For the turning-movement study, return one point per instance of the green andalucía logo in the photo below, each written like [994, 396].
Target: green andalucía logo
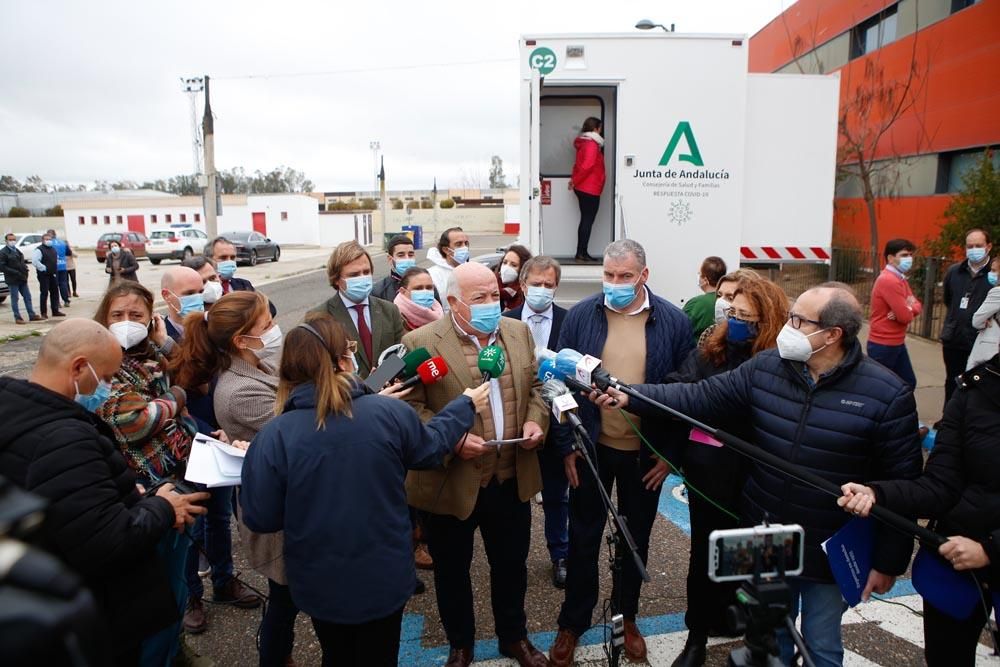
[693, 156]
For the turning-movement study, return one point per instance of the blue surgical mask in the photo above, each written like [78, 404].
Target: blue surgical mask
[461, 255]
[992, 278]
[975, 255]
[485, 317]
[48, 244]
[740, 331]
[619, 296]
[11, 244]
[358, 288]
[404, 265]
[93, 401]
[190, 303]
[115, 250]
[227, 269]
[539, 298]
[905, 264]
[423, 297]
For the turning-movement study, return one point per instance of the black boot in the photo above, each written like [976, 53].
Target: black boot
[693, 654]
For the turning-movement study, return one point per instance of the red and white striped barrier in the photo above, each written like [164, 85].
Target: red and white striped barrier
[784, 254]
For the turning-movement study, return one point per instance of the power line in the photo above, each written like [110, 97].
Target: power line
[365, 70]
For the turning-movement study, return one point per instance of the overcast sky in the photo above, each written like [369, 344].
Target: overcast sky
[91, 90]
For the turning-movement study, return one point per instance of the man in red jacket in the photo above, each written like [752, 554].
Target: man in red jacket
[893, 308]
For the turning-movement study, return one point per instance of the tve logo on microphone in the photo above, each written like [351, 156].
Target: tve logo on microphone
[432, 369]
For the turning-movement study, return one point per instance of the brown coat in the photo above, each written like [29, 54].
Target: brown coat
[244, 403]
[454, 489]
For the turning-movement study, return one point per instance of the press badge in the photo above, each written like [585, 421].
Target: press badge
[964, 303]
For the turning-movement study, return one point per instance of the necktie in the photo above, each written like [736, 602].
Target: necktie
[364, 332]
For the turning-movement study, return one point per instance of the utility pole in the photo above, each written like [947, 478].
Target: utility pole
[211, 190]
[375, 147]
[192, 87]
[383, 196]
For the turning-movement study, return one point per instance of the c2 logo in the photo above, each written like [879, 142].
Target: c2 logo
[543, 59]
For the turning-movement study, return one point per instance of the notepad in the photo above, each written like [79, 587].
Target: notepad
[214, 463]
[849, 553]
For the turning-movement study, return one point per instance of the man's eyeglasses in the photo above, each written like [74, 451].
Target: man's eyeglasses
[797, 321]
[741, 315]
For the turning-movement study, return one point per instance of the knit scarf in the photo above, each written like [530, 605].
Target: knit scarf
[415, 315]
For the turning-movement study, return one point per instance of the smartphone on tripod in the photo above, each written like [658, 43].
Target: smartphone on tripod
[734, 552]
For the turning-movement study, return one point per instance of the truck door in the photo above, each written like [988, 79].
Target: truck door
[535, 184]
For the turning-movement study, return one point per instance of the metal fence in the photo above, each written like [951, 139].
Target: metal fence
[853, 266]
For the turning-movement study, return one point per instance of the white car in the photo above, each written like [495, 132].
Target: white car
[27, 243]
[175, 243]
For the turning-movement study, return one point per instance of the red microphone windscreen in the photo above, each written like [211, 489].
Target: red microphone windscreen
[432, 370]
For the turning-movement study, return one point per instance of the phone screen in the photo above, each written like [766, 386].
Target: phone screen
[734, 554]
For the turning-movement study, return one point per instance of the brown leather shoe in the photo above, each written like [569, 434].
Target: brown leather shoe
[459, 657]
[563, 649]
[525, 653]
[635, 645]
[195, 620]
[236, 594]
[422, 558]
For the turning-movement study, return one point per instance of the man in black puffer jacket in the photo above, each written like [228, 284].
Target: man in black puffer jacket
[819, 403]
[97, 521]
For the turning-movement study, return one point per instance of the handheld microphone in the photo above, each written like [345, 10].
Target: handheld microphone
[431, 371]
[586, 369]
[413, 359]
[547, 371]
[557, 395]
[492, 361]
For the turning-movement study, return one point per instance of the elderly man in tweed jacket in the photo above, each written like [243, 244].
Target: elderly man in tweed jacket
[483, 486]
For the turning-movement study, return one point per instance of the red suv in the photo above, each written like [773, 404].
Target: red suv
[133, 241]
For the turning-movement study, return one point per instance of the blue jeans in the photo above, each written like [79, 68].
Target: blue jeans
[160, 649]
[213, 533]
[16, 292]
[896, 359]
[555, 503]
[822, 607]
[62, 278]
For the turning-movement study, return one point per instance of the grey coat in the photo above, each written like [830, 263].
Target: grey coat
[244, 403]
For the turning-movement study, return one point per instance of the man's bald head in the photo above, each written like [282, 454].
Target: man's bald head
[834, 306]
[70, 350]
[179, 278]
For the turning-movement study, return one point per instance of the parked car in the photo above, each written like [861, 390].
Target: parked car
[27, 243]
[252, 246]
[178, 242]
[4, 290]
[132, 241]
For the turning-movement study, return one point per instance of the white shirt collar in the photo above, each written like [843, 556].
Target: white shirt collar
[645, 304]
[350, 304]
[527, 313]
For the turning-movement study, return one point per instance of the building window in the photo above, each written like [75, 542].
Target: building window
[197, 217]
[118, 220]
[284, 215]
[873, 34]
[184, 217]
[952, 167]
[81, 220]
[167, 217]
[93, 219]
[959, 5]
[107, 219]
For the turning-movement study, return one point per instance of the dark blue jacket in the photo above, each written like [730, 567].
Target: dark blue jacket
[200, 406]
[668, 342]
[959, 284]
[858, 423]
[338, 494]
[244, 285]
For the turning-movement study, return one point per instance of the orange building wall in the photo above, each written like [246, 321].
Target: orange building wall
[958, 95]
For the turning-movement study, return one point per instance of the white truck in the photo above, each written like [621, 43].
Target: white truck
[702, 158]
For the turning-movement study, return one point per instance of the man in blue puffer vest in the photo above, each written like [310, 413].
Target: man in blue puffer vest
[819, 403]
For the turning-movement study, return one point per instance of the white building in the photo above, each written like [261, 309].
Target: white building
[284, 218]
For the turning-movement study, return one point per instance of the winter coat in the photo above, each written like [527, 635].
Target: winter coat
[588, 169]
[12, 266]
[96, 521]
[338, 494]
[857, 423]
[986, 320]
[959, 285]
[960, 487]
[123, 267]
[440, 273]
[668, 342]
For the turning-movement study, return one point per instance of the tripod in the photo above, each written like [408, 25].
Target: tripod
[620, 537]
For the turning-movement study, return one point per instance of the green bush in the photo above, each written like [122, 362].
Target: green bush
[447, 203]
[369, 204]
[18, 212]
[976, 205]
[426, 204]
[410, 205]
[397, 204]
[54, 212]
[342, 206]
